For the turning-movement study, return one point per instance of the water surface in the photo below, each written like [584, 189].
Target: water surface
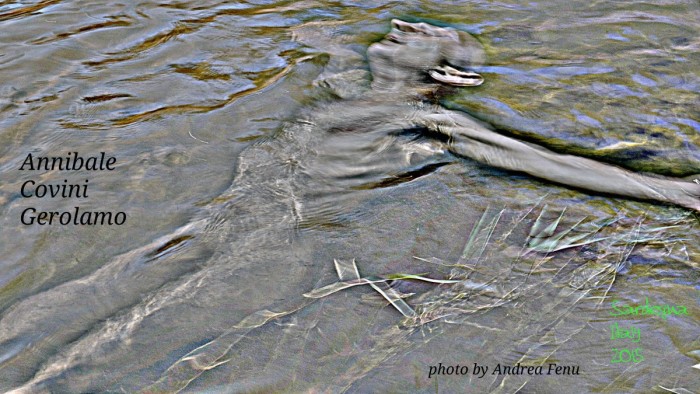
[240, 194]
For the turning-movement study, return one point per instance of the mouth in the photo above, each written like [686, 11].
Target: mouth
[392, 38]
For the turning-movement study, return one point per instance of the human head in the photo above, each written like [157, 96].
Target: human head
[417, 55]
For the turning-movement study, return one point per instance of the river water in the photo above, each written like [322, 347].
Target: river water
[242, 185]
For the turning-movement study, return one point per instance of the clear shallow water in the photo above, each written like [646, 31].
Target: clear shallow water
[236, 206]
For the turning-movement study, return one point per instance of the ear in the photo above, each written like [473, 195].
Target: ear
[452, 76]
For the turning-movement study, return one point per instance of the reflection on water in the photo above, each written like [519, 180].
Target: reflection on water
[244, 175]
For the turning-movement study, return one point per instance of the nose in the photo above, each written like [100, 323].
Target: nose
[407, 27]
[397, 24]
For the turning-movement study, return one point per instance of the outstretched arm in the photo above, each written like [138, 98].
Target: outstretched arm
[471, 139]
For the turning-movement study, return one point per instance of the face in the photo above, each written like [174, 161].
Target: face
[416, 53]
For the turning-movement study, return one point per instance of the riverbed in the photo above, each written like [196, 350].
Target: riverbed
[265, 251]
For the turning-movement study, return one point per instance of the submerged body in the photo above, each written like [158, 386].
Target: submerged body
[192, 298]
